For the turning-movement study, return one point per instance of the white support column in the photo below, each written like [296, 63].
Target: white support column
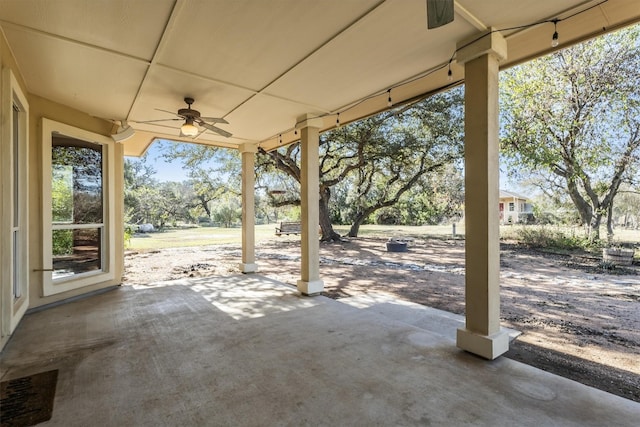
[310, 283]
[248, 264]
[482, 334]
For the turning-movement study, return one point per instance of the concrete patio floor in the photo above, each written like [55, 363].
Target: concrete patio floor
[249, 351]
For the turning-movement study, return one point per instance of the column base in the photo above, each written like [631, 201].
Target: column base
[311, 288]
[248, 268]
[487, 346]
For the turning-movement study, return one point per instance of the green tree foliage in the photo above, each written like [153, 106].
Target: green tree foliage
[139, 191]
[372, 163]
[438, 198]
[627, 207]
[149, 201]
[227, 211]
[214, 173]
[62, 194]
[571, 122]
[165, 203]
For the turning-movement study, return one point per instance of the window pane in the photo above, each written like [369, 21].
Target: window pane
[16, 165]
[17, 292]
[76, 251]
[76, 182]
[62, 194]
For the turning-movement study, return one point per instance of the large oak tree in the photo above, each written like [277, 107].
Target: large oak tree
[380, 158]
[572, 121]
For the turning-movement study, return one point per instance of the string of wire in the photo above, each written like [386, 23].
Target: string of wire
[441, 66]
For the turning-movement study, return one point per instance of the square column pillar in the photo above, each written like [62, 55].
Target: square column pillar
[310, 283]
[248, 152]
[482, 334]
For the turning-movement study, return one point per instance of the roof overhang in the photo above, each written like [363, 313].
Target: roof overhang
[261, 64]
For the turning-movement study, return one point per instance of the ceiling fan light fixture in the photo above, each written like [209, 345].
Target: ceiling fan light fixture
[188, 129]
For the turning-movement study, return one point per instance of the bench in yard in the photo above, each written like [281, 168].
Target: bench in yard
[289, 228]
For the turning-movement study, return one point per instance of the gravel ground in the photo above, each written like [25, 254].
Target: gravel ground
[578, 320]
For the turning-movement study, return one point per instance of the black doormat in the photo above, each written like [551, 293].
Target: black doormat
[27, 401]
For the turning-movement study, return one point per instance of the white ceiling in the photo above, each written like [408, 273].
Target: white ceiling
[261, 64]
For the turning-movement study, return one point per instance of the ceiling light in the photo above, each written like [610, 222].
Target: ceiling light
[188, 129]
[554, 39]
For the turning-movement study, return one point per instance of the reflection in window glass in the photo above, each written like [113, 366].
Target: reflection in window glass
[76, 184]
[16, 165]
[62, 192]
[76, 251]
[77, 206]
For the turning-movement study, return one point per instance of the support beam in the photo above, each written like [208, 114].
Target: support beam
[248, 264]
[310, 283]
[482, 334]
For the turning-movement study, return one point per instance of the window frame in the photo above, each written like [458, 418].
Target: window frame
[14, 218]
[53, 286]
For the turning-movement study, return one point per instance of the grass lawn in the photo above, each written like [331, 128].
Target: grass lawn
[197, 236]
[200, 236]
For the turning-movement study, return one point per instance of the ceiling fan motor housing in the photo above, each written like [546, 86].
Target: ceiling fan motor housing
[188, 112]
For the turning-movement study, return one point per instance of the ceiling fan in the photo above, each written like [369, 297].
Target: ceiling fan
[192, 117]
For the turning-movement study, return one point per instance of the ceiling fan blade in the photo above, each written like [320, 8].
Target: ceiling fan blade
[214, 120]
[214, 129]
[173, 113]
[158, 120]
[439, 13]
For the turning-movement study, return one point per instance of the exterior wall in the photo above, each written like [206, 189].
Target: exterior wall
[10, 310]
[513, 217]
[39, 108]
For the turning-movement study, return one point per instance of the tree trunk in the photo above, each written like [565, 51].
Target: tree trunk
[328, 234]
[585, 210]
[355, 227]
[594, 225]
[610, 223]
[362, 216]
[205, 205]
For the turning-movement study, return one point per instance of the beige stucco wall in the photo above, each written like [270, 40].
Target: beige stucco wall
[39, 108]
[8, 308]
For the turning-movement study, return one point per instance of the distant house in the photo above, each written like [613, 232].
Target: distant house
[514, 208]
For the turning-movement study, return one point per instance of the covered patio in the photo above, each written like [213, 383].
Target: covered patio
[85, 83]
[246, 350]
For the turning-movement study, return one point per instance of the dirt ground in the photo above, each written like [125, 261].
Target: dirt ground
[577, 319]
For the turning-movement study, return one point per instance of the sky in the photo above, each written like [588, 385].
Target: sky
[165, 172]
[173, 172]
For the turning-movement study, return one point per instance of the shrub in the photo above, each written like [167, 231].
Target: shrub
[129, 230]
[545, 237]
[62, 241]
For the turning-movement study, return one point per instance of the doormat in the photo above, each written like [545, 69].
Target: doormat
[27, 401]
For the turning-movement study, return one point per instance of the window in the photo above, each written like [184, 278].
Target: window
[76, 206]
[512, 207]
[14, 231]
[15, 223]
[78, 247]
